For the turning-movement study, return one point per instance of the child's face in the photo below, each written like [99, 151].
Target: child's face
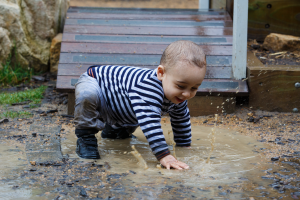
[180, 82]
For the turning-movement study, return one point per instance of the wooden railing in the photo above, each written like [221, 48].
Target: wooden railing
[240, 31]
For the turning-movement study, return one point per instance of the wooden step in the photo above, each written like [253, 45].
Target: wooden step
[130, 59]
[156, 23]
[212, 87]
[100, 47]
[161, 31]
[146, 11]
[96, 38]
[183, 17]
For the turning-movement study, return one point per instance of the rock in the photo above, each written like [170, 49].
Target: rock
[5, 44]
[32, 163]
[38, 78]
[3, 120]
[83, 192]
[278, 42]
[55, 53]
[30, 25]
[275, 159]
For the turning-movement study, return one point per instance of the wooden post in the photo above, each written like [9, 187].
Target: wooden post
[203, 4]
[239, 44]
[71, 103]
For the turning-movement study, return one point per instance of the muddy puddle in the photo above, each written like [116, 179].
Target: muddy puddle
[234, 169]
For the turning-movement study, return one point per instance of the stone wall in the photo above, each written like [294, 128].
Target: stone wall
[30, 25]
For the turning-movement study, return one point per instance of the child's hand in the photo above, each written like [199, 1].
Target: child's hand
[169, 161]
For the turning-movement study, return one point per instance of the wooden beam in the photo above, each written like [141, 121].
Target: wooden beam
[272, 87]
[71, 103]
[209, 105]
[239, 46]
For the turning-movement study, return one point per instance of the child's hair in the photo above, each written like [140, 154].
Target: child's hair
[183, 51]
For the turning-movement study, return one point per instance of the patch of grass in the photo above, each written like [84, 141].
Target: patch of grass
[33, 95]
[12, 72]
[15, 114]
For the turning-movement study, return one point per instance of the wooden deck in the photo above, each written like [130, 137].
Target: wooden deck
[138, 37]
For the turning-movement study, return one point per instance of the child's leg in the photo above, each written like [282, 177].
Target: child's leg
[87, 117]
[87, 104]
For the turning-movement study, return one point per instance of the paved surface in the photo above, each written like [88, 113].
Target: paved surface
[43, 144]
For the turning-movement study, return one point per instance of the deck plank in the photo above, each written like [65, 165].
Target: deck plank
[213, 87]
[142, 23]
[67, 37]
[149, 48]
[164, 31]
[149, 17]
[131, 59]
[145, 11]
[216, 72]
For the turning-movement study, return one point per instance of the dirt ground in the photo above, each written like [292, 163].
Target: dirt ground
[273, 58]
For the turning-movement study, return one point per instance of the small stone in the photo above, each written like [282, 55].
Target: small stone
[222, 193]
[83, 192]
[65, 101]
[275, 158]
[251, 119]
[33, 163]
[255, 46]
[4, 121]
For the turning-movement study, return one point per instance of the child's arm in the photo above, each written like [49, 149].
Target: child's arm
[148, 116]
[181, 125]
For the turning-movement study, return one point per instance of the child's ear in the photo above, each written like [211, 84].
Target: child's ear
[160, 72]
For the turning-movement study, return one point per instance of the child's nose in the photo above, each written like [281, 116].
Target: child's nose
[186, 94]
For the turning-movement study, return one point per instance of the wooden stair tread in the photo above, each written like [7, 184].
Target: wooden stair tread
[203, 17]
[148, 30]
[97, 38]
[134, 48]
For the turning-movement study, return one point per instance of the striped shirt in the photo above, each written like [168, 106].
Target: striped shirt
[134, 96]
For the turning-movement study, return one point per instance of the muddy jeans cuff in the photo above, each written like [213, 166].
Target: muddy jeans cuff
[162, 154]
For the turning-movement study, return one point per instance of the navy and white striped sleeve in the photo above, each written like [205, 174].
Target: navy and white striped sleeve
[181, 124]
[149, 121]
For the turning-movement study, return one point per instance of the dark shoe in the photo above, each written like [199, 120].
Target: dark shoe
[87, 146]
[120, 133]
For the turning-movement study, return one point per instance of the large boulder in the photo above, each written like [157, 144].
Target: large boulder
[278, 42]
[55, 53]
[29, 26]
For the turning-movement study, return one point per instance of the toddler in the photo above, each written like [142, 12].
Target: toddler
[118, 99]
